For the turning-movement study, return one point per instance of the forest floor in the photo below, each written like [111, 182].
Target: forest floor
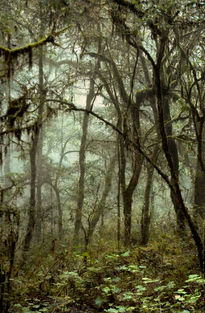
[161, 277]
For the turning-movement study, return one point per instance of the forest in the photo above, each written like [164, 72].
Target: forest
[102, 156]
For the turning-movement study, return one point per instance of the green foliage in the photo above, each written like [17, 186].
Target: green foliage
[122, 281]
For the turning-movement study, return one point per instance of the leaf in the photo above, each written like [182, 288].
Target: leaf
[140, 288]
[116, 279]
[86, 254]
[149, 280]
[142, 267]
[181, 291]
[126, 254]
[26, 310]
[112, 310]
[106, 290]
[99, 301]
[179, 298]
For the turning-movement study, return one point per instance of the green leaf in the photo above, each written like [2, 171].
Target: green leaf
[86, 254]
[106, 290]
[26, 310]
[126, 254]
[116, 279]
[140, 288]
[111, 310]
[149, 280]
[142, 267]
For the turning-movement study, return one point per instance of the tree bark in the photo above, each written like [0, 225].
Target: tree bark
[31, 212]
[146, 218]
[173, 151]
[127, 192]
[40, 136]
[60, 212]
[38, 187]
[101, 205]
[81, 182]
[33, 165]
[199, 194]
[174, 183]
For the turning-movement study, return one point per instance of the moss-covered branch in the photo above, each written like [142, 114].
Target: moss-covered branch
[27, 48]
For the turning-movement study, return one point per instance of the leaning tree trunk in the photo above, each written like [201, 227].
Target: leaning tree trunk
[174, 182]
[173, 151]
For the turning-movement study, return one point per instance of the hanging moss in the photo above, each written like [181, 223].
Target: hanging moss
[11, 55]
[16, 109]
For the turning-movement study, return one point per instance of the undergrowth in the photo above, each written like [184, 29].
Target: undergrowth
[162, 277]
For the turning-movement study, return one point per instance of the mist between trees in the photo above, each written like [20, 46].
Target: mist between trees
[102, 129]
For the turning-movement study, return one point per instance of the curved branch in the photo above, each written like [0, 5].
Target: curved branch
[27, 48]
[137, 146]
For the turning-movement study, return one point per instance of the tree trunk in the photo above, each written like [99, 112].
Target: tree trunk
[101, 205]
[127, 193]
[40, 141]
[33, 159]
[173, 151]
[174, 183]
[81, 182]
[146, 218]
[137, 160]
[127, 201]
[31, 212]
[118, 203]
[199, 194]
[38, 187]
[60, 213]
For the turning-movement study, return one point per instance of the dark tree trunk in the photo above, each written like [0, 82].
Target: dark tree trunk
[118, 203]
[40, 136]
[38, 227]
[199, 194]
[33, 160]
[60, 213]
[173, 151]
[137, 160]
[81, 182]
[174, 183]
[127, 201]
[127, 191]
[101, 205]
[146, 217]
[31, 212]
